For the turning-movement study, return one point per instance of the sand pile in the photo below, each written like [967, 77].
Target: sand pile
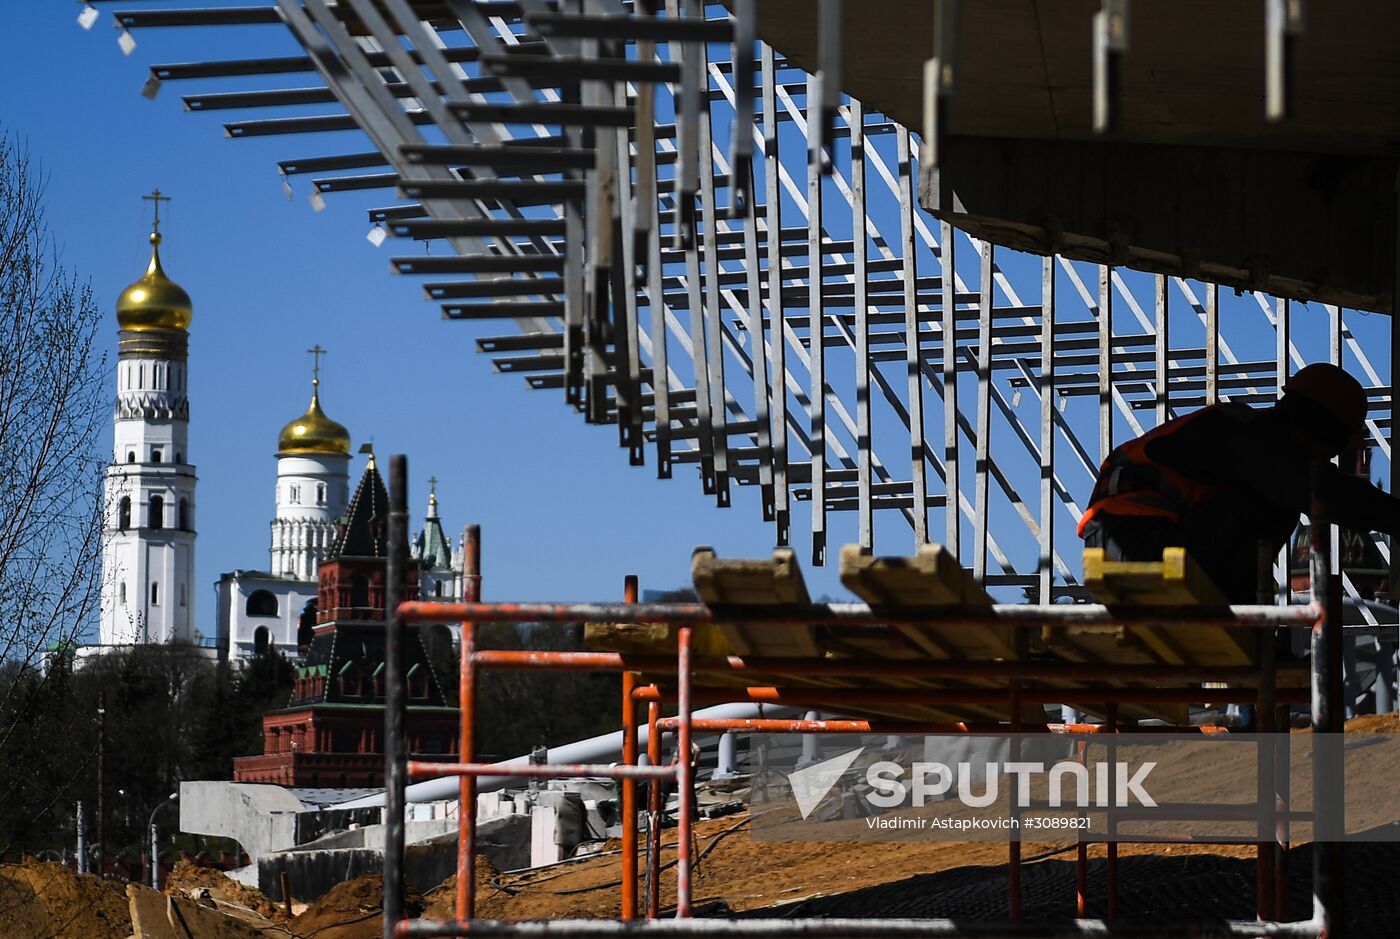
[351, 910]
[491, 897]
[188, 879]
[1388, 723]
[44, 900]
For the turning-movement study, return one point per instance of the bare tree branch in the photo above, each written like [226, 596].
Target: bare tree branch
[53, 408]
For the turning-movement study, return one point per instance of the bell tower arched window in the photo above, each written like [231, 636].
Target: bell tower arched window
[261, 603]
[124, 513]
[157, 513]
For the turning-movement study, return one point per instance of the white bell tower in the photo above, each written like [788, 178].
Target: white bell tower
[313, 467]
[149, 509]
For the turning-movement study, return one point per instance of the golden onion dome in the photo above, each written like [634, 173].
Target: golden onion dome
[314, 432]
[155, 301]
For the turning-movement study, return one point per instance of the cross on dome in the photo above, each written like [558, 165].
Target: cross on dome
[157, 197]
[316, 352]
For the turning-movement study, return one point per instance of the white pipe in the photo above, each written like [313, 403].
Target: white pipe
[604, 748]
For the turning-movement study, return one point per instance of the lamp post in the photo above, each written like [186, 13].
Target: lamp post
[101, 779]
[155, 847]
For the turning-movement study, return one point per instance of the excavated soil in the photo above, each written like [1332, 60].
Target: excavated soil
[40, 900]
[1200, 888]
[1375, 724]
[747, 874]
[44, 900]
[351, 910]
[189, 879]
[751, 875]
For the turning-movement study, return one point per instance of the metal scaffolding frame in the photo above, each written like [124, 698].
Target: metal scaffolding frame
[656, 679]
[644, 192]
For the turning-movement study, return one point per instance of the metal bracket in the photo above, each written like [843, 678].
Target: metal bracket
[1283, 24]
[1110, 43]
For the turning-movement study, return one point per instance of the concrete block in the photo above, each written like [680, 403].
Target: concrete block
[260, 818]
[156, 916]
[543, 850]
[430, 858]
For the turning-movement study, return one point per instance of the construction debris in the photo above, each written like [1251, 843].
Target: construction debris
[190, 880]
[158, 916]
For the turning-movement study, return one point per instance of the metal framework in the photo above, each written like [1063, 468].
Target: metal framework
[654, 679]
[663, 213]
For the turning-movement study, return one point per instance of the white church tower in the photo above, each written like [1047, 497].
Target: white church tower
[148, 545]
[313, 473]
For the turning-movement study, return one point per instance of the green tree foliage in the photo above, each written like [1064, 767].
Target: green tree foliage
[170, 714]
[44, 757]
[521, 710]
[231, 722]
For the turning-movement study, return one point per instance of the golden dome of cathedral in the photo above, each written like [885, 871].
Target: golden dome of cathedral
[314, 432]
[155, 301]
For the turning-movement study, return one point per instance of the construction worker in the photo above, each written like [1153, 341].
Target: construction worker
[1223, 479]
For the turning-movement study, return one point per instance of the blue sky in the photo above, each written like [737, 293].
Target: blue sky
[563, 515]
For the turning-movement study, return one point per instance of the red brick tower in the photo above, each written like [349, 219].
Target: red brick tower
[331, 732]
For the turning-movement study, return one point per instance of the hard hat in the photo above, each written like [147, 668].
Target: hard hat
[1334, 390]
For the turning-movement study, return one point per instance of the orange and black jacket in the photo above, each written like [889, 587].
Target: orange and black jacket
[1233, 465]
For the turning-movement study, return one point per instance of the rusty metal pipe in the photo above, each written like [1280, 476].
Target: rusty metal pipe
[1023, 615]
[1327, 718]
[421, 769]
[654, 807]
[529, 660]
[768, 694]
[629, 786]
[799, 726]
[892, 726]
[685, 774]
[466, 804]
[842, 929]
[465, 899]
[395, 695]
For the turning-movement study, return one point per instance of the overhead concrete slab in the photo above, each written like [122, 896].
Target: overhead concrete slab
[1195, 181]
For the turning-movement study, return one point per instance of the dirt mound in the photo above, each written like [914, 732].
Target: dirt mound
[746, 873]
[352, 910]
[1200, 887]
[188, 878]
[442, 899]
[1388, 723]
[43, 900]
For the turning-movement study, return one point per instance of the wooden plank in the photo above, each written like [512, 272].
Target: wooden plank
[776, 582]
[653, 639]
[931, 578]
[1176, 580]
